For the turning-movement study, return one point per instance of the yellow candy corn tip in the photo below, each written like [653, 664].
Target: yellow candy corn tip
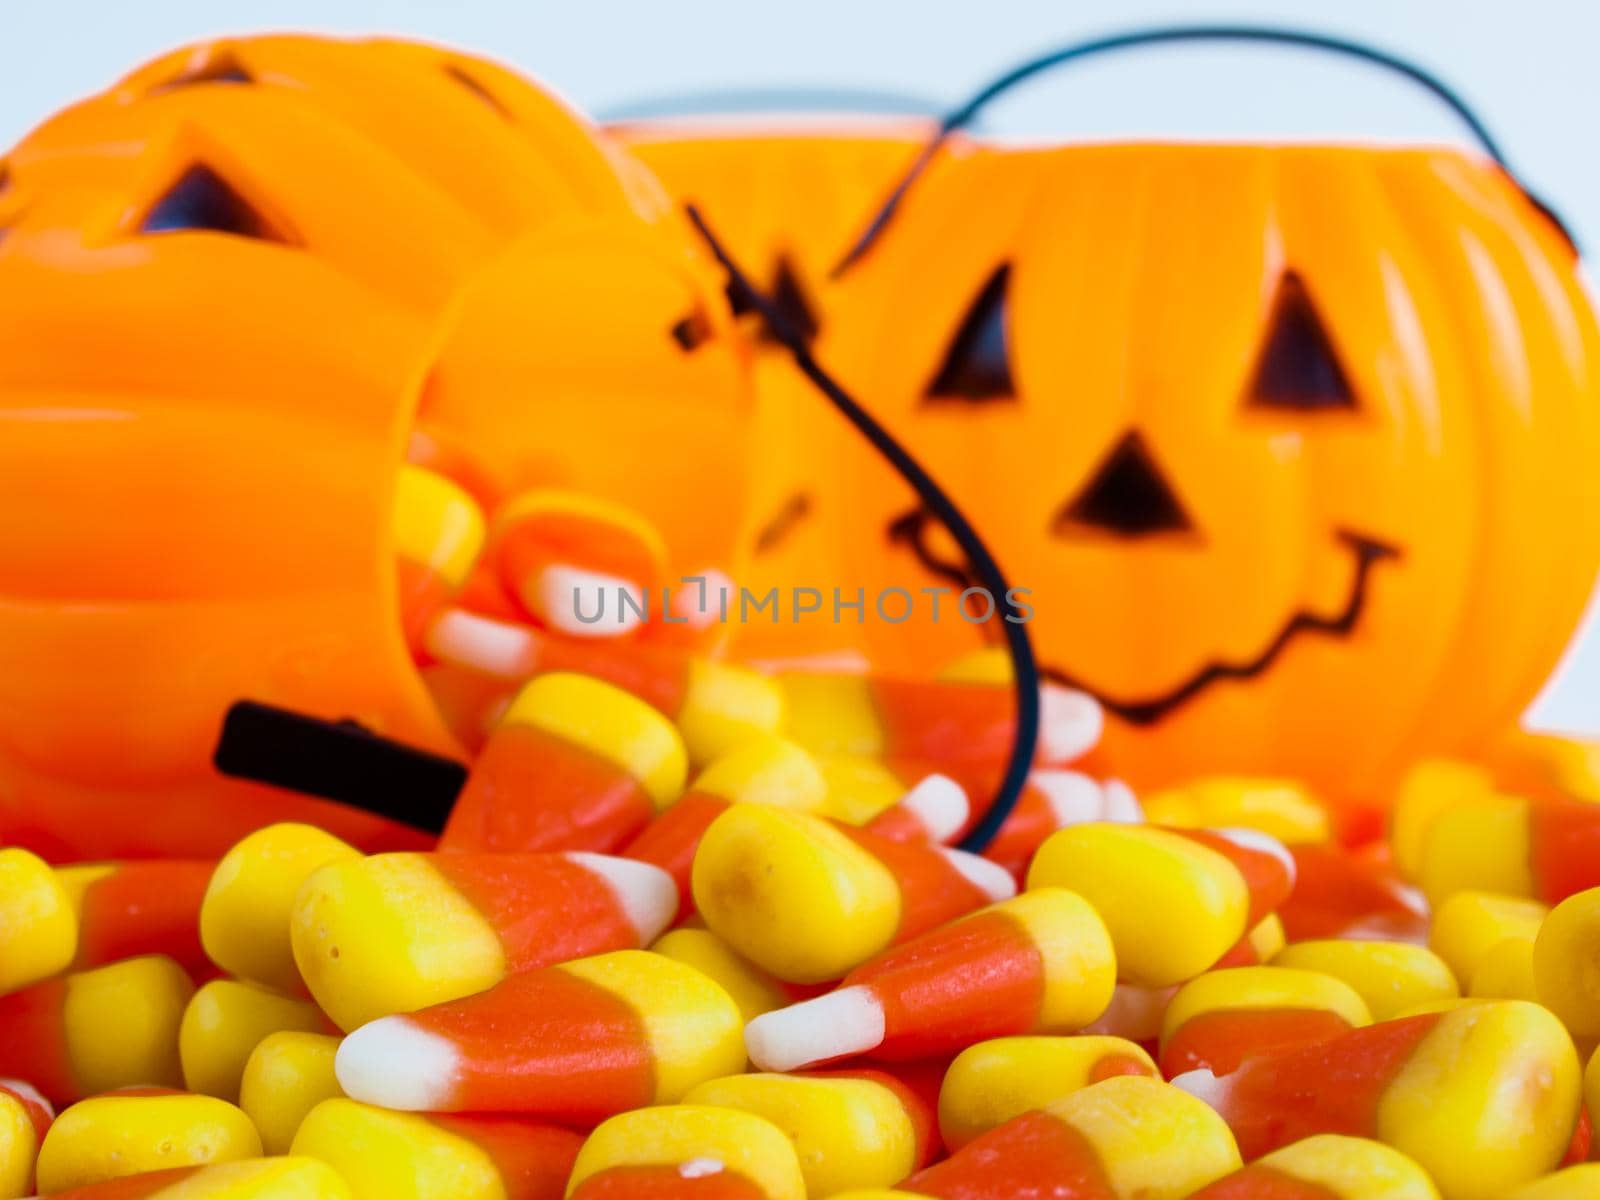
[1471, 923]
[384, 1153]
[1564, 953]
[752, 989]
[111, 1136]
[1353, 1167]
[121, 1023]
[1172, 905]
[607, 721]
[846, 1132]
[765, 769]
[1151, 1138]
[792, 893]
[1390, 976]
[244, 917]
[725, 705]
[38, 921]
[224, 1021]
[387, 934]
[437, 524]
[706, 1139]
[287, 1075]
[991, 1082]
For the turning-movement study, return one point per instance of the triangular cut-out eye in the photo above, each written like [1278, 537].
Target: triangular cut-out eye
[788, 296]
[1299, 367]
[222, 67]
[5, 176]
[201, 199]
[977, 367]
[477, 89]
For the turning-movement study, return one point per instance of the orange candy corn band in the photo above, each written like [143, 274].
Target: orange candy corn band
[1012, 1159]
[145, 908]
[1220, 1041]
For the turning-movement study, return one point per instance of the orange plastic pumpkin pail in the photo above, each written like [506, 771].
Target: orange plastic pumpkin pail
[229, 287]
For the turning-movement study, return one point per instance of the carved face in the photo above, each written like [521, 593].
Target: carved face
[1288, 444]
[228, 289]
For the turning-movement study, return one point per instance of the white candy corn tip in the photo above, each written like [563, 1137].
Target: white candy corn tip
[393, 1064]
[699, 1168]
[496, 648]
[990, 878]
[941, 804]
[1202, 1084]
[29, 1093]
[562, 592]
[1122, 806]
[1069, 723]
[836, 1025]
[1261, 843]
[645, 893]
[1073, 797]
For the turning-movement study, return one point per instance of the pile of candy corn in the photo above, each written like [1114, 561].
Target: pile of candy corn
[699, 931]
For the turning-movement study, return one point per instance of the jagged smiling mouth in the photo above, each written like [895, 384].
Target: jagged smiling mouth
[910, 529]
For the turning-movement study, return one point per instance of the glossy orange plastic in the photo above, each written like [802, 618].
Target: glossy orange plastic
[200, 426]
[1321, 584]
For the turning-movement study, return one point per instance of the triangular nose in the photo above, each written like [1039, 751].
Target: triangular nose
[1126, 497]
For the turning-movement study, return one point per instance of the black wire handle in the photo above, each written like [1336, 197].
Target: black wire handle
[1024, 668]
[960, 117]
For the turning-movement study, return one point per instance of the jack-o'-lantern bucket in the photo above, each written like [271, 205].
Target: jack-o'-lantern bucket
[1291, 446]
[230, 289]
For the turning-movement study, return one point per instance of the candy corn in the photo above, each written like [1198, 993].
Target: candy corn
[1391, 977]
[1504, 1070]
[1545, 849]
[97, 1030]
[687, 1150]
[1564, 954]
[931, 721]
[38, 929]
[1470, 924]
[287, 1075]
[397, 932]
[403, 1156]
[1122, 1139]
[25, 1115]
[807, 899]
[438, 535]
[1052, 800]
[141, 1130]
[850, 1129]
[751, 988]
[1340, 894]
[1174, 900]
[765, 770]
[715, 705]
[575, 1043]
[1326, 1167]
[1041, 962]
[994, 1081]
[223, 1023]
[1574, 1183]
[244, 918]
[126, 909]
[1218, 1018]
[575, 764]
[1280, 807]
[935, 809]
[251, 1179]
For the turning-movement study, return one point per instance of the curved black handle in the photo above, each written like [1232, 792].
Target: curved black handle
[959, 118]
[1024, 667]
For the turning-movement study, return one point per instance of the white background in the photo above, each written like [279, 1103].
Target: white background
[1529, 67]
